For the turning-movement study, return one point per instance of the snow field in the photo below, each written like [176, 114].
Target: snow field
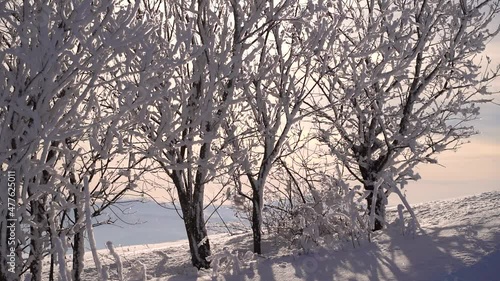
[459, 240]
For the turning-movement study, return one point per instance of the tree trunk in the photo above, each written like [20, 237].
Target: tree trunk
[379, 209]
[256, 223]
[78, 252]
[199, 245]
[194, 222]
[39, 212]
[36, 250]
[78, 237]
[52, 265]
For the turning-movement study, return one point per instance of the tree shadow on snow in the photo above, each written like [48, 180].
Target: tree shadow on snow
[436, 254]
[426, 256]
[485, 269]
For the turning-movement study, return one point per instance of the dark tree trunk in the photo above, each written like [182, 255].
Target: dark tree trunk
[78, 248]
[52, 266]
[369, 172]
[192, 211]
[78, 237]
[39, 212]
[256, 223]
[379, 209]
[199, 246]
[36, 249]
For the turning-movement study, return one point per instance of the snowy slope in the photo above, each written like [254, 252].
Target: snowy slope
[460, 240]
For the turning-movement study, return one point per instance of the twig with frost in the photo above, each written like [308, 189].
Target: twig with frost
[59, 246]
[118, 260]
[90, 231]
[63, 275]
[104, 273]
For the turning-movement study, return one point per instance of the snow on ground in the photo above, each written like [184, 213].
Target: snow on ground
[459, 241]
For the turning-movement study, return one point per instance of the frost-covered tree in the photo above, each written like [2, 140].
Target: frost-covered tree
[203, 47]
[99, 157]
[403, 80]
[284, 74]
[57, 58]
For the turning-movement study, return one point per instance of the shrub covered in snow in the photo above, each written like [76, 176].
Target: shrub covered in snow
[333, 212]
